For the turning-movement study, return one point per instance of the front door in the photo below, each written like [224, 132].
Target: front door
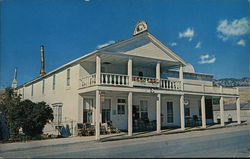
[106, 109]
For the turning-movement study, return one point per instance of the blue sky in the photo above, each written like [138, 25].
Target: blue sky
[212, 35]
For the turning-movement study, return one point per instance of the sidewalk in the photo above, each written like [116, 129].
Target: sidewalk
[49, 142]
[104, 138]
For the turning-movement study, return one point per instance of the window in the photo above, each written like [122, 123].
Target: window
[68, 77]
[32, 90]
[121, 106]
[57, 112]
[144, 109]
[43, 85]
[54, 82]
[170, 112]
[187, 111]
[87, 110]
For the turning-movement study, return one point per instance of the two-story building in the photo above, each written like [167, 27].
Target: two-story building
[129, 81]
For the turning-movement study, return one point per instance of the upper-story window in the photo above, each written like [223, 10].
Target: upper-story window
[54, 82]
[68, 77]
[43, 86]
[32, 90]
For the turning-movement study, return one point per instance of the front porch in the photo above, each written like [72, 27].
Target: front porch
[135, 112]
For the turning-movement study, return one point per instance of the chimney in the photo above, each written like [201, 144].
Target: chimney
[42, 72]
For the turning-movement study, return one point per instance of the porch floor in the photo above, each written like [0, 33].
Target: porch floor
[124, 136]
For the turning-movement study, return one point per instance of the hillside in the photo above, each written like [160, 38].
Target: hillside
[232, 82]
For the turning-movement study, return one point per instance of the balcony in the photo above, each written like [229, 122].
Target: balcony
[123, 80]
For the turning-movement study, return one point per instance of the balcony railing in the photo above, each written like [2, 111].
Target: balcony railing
[114, 79]
[170, 84]
[138, 81]
[88, 81]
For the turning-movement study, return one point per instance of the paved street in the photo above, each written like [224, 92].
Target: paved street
[225, 142]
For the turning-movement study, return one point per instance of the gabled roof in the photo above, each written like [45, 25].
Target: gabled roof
[143, 44]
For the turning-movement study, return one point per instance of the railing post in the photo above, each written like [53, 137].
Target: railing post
[181, 77]
[158, 72]
[98, 69]
[130, 72]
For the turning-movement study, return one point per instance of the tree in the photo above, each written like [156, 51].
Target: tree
[30, 116]
[35, 116]
[9, 108]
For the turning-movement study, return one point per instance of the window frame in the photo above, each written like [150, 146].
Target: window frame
[140, 108]
[43, 86]
[32, 90]
[57, 113]
[54, 82]
[121, 104]
[68, 77]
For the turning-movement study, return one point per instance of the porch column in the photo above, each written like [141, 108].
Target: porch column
[158, 113]
[222, 111]
[238, 109]
[130, 74]
[203, 112]
[182, 112]
[97, 115]
[130, 121]
[158, 71]
[181, 76]
[98, 69]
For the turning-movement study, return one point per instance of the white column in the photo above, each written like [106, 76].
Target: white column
[158, 71]
[97, 115]
[238, 109]
[130, 121]
[130, 74]
[203, 112]
[182, 112]
[158, 113]
[222, 119]
[98, 69]
[181, 76]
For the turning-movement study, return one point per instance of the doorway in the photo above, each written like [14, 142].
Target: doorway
[106, 109]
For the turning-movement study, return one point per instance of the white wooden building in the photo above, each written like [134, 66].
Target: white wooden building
[135, 79]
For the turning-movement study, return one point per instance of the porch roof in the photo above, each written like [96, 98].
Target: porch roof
[114, 58]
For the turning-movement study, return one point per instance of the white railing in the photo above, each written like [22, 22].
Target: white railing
[170, 84]
[123, 80]
[114, 79]
[87, 81]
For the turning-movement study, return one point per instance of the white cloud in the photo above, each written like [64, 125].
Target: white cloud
[237, 27]
[207, 59]
[189, 33]
[198, 45]
[241, 42]
[105, 44]
[173, 44]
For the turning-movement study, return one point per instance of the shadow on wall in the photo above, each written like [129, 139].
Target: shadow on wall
[65, 131]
